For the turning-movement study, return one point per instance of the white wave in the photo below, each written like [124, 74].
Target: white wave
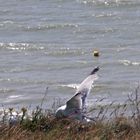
[125, 62]
[75, 86]
[22, 47]
[14, 96]
[108, 2]
[6, 90]
[49, 27]
[136, 63]
[128, 62]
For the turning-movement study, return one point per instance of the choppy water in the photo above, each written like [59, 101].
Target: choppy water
[49, 43]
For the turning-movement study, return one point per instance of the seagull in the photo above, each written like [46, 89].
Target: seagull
[74, 108]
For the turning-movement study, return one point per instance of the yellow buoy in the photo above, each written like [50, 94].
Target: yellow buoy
[96, 53]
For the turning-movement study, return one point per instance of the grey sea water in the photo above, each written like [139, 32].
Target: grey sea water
[50, 43]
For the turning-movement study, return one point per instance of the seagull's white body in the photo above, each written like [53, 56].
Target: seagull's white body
[75, 106]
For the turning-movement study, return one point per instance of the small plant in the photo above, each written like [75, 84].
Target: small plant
[134, 101]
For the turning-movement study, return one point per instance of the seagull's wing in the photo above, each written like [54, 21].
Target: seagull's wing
[78, 100]
[75, 102]
[86, 85]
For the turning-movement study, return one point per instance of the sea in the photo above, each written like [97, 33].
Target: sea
[47, 49]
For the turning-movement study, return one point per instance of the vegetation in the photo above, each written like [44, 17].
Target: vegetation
[118, 125]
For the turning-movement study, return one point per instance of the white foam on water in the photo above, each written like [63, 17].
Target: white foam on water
[74, 86]
[128, 62]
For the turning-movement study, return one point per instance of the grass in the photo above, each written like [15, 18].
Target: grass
[44, 125]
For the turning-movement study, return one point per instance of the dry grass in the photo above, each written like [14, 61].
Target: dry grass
[44, 126]
[65, 129]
